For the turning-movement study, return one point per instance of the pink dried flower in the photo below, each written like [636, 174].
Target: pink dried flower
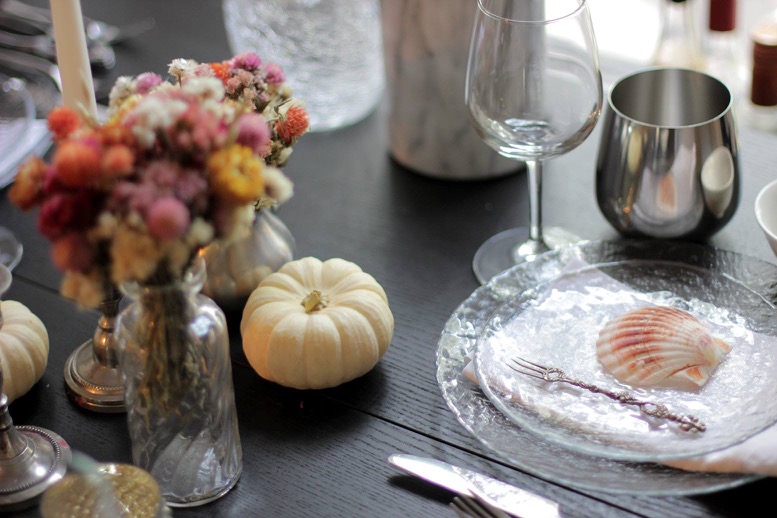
[130, 196]
[146, 81]
[274, 74]
[167, 218]
[232, 85]
[199, 131]
[246, 61]
[245, 77]
[253, 132]
[204, 70]
[162, 174]
[191, 187]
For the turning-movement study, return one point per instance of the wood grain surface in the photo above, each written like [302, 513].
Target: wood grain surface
[323, 453]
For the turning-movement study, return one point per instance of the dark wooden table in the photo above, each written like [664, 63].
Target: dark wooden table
[323, 453]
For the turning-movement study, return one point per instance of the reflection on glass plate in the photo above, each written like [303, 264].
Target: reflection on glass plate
[557, 324]
[546, 459]
[41, 78]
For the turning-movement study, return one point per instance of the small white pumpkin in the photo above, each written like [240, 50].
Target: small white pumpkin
[316, 324]
[24, 348]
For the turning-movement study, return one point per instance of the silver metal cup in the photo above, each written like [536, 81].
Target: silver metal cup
[668, 163]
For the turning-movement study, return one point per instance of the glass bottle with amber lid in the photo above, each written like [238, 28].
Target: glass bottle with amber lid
[762, 106]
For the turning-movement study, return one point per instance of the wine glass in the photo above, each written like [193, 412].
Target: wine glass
[534, 91]
[17, 111]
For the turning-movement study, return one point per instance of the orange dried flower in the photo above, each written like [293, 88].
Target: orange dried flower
[118, 160]
[72, 252]
[63, 121]
[293, 125]
[27, 188]
[113, 133]
[76, 164]
[221, 70]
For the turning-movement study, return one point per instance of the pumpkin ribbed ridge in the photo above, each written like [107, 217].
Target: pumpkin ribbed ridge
[330, 345]
[24, 349]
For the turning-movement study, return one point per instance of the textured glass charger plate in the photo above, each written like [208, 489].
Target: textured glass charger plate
[557, 324]
[550, 460]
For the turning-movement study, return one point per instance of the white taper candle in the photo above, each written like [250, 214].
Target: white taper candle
[72, 55]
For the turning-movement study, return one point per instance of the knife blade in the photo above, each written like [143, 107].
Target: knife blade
[512, 500]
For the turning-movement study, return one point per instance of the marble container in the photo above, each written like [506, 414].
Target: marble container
[426, 43]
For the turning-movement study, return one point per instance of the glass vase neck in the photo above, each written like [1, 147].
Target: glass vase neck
[191, 282]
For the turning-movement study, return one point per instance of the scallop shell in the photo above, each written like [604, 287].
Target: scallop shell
[659, 346]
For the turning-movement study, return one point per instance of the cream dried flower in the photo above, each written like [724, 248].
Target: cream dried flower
[181, 67]
[277, 185]
[121, 91]
[238, 223]
[204, 87]
[106, 226]
[134, 254]
[86, 290]
[200, 232]
[152, 114]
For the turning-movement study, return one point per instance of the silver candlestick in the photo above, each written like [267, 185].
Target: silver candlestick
[92, 376]
[32, 459]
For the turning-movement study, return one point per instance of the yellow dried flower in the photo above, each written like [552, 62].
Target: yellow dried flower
[120, 111]
[236, 174]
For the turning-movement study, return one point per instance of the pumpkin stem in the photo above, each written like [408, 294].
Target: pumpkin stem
[315, 301]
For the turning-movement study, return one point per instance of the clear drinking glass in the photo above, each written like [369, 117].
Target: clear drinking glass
[534, 91]
[17, 111]
[331, 51]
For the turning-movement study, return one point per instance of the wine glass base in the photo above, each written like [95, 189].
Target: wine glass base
[10, 249]
[512, 247]
[91, 385]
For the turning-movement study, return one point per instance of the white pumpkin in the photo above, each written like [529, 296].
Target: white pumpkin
[24, 348]
[316, 324]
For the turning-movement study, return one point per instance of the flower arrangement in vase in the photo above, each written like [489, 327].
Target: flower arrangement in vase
[235, 267]
[130, 203]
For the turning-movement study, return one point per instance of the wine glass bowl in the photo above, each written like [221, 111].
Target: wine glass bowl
[17, 111]
[533, 91]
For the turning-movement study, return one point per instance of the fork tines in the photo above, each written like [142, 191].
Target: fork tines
[535, 370]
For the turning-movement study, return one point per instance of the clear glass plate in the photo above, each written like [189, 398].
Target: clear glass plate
[530, 453]
[557, 324]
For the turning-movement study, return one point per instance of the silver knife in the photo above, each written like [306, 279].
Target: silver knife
[501, 495]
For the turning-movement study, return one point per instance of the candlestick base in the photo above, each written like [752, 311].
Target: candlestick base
[93, 385]
[41, 463]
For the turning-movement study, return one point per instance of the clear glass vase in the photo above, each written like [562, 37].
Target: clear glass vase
[179, 394]
[235, 269]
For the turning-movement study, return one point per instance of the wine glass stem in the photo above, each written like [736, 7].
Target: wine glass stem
[534, 168]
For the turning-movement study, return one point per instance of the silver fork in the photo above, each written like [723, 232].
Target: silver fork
[688, 423]
[473, 507]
